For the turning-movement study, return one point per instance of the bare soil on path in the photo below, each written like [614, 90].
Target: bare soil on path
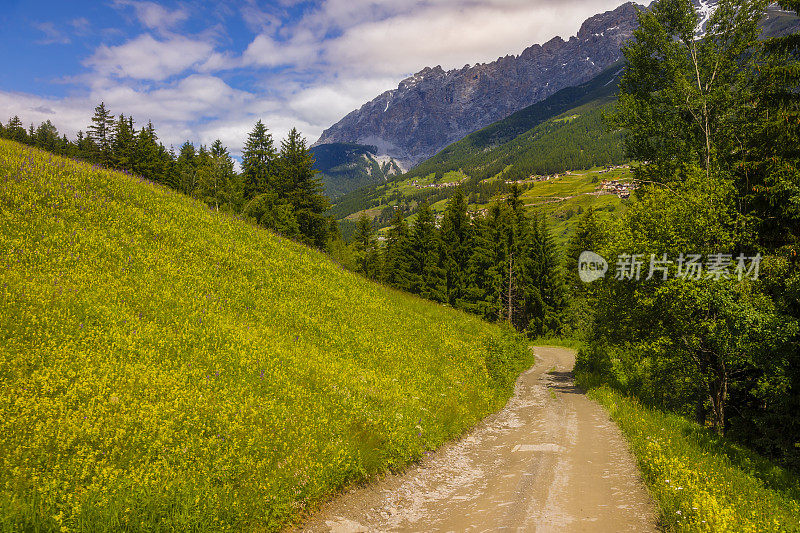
[550, 461]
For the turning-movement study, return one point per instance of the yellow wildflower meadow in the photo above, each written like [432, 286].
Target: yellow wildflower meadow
[163, 366]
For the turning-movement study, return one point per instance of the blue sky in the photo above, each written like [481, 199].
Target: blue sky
[206, 70]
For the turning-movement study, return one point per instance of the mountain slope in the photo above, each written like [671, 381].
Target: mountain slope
[434, 108]
[165, 366]
[345, 167]
[463, 153]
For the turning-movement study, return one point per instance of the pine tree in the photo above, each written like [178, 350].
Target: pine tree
[258, 162]
[122, 148]
[366, 248]
[16, 131]
[482, 272]
[456, 243]
[296, 181]
[428, 278]
[101, 134]
[186, 169]
[397, 256]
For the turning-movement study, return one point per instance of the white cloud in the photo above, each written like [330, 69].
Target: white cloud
[146, 58]
[68, 116]
[154, 16]
[301, 49]
[445, 32]
[324, 104]
[52, 35]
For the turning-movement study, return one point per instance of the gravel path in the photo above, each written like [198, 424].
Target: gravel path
[550, 461]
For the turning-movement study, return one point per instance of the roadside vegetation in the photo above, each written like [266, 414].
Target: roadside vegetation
[703, 482]
[167, 366]
[700, 365]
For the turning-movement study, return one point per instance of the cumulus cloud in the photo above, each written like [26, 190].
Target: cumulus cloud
[154, 16]
[146, 58]
[301, 49]
[443, 35]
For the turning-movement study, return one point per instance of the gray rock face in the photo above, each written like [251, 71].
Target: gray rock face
[434, 108]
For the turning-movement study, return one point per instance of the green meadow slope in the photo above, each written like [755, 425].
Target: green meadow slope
[163, 366]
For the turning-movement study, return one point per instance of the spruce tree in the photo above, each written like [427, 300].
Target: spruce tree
[544, 281]
[101, 133]
[483, 273]
[366, 248]
[16, 131]
[397, 256]
[456, 243]
[296, 180]
[186, 169]
[122, 148]
[770, 181]
[258, 162]
[146, 154]
[46, 137]
[428, 278]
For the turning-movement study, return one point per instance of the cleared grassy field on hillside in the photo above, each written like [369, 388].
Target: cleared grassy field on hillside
[163, 366]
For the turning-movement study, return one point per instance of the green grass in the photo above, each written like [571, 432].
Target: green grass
[700, 481]
[167, 367]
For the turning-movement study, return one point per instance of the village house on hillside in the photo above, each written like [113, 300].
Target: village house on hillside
[620, 188]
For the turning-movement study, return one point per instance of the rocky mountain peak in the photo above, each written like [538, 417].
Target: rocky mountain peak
[434, 107]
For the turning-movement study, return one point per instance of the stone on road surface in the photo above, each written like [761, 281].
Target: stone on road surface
[551, 461]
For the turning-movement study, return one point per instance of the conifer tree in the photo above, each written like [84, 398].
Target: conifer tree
[258, 162]
[85, 147]
[397, 256]
[366, 248]
[16, 131]
[101, 134]
[770, 181]
[483, 272]
[456, 243]
[122, 148]
[297, 181]
[217, 185]
[428, 278]
[186, 169]
[544, 281]
[46, 137]
[146, 154]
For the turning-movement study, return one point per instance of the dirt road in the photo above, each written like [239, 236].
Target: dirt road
[551, 460]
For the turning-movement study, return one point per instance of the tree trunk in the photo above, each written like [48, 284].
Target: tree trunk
[510, 272]
[700, 408]
[719, 397]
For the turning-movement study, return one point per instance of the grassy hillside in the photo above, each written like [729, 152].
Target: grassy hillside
[163, 366]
